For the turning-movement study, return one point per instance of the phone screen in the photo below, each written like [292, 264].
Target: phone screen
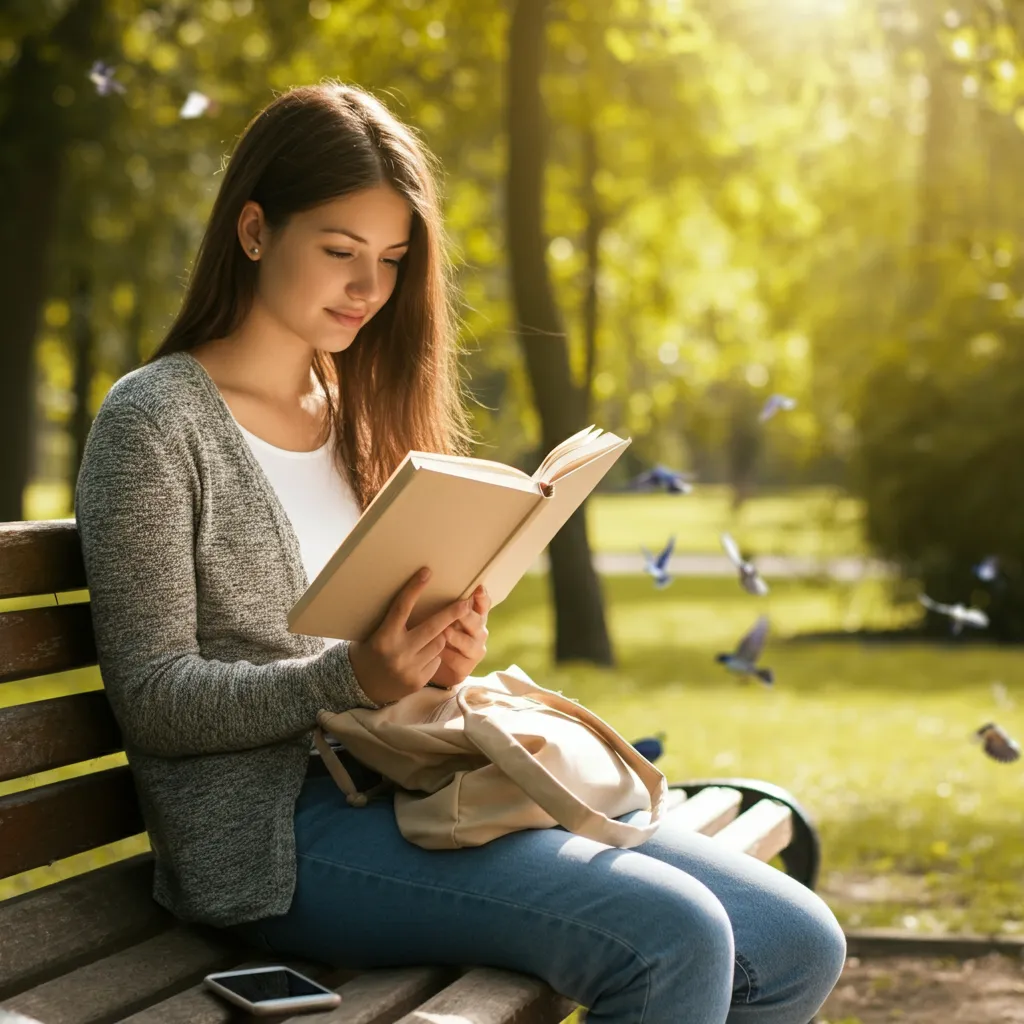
[279, 983]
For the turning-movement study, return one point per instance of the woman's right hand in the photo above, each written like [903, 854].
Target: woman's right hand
[396, 661]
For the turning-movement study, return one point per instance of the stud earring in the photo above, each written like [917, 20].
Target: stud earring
[255, 250]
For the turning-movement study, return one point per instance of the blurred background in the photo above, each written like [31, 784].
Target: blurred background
[818, 198]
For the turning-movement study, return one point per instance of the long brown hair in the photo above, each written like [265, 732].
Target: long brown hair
[398, 384]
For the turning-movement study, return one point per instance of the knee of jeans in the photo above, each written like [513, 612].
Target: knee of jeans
[687, 928]
[820, 944]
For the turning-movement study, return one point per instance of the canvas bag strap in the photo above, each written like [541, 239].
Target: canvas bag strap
[337, 770]
[511, 757]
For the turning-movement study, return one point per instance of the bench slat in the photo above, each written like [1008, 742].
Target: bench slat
[709, 810]
[52, 733]
[372, 997]
[46, 933]
[486, 995]
[762, 831]
[124, 982]
[38, 641]
[40, 557]
[39, 826]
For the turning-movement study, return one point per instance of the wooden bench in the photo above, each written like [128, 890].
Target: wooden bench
[96, 949]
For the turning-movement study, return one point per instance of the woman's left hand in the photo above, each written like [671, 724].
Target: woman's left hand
[465, 642]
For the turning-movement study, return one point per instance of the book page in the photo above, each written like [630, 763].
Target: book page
[467, 462]
[577, 439]
[569, 460]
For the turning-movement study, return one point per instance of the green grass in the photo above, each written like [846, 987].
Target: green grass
[919, 829]
[810, 521]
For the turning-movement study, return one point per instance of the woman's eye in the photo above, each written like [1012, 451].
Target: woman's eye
[344, 255]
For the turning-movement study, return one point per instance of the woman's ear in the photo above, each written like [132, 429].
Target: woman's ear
[252, 230]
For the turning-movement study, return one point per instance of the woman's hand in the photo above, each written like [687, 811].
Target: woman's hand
[465, 642]
[396, 660]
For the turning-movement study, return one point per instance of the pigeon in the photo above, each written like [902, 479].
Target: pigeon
[960, 615]
[662, 477]
[997, 744]
[102, 76]
[196, 104]
[743, 661]
[651, 747]
[657, 566]
[987, 569]
[750, 579]
[776, 403]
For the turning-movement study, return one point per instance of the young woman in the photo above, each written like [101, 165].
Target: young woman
[314, 348]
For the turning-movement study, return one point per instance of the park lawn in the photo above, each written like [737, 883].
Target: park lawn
[810, 521]
[919, 829]
[815, 522]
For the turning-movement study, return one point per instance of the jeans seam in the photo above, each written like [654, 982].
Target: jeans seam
[508, 903]
[753, 990]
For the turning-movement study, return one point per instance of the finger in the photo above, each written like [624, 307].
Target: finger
[471, 623]
[436, 624]
[462, 642]
[404, 602]
[430, 652]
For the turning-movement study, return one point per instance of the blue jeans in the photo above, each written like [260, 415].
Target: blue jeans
[676, 930]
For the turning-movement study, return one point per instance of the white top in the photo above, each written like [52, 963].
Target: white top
[317, 497]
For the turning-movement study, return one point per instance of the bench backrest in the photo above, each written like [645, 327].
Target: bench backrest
[50, 822]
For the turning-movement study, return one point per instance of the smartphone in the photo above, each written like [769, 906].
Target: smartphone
[268, 990]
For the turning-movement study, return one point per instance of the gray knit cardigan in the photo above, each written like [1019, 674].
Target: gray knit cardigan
[192, 564]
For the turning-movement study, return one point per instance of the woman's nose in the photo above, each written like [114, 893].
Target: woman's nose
[366, 282]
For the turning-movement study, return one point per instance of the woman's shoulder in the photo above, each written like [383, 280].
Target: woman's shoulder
[169, 390]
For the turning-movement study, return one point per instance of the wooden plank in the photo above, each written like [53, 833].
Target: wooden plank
[38, 641]
[51, 931]
[762, 830]
[52, 733]
[40, 557]
[39, 826]
[709, 810]
[486, 995]
[125, 982]
[370, 997]
[9, 1017]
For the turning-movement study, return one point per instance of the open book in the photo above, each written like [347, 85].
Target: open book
[470, 520]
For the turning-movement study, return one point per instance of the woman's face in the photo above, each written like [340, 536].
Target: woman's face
[331, 268]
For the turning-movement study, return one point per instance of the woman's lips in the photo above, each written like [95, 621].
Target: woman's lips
[346, 320]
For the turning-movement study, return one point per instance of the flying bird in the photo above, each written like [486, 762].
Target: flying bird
[775, 404]
[959, 615]
[661, 477]
[196, 104]
[657, 566]
[1001, 695]
[102, 76]
[987, 569]
[743, 661]
[750, 579]
[997, 743]
[651, 747]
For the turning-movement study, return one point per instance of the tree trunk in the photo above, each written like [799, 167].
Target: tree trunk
[35, 132]
[82, 341]
[580, 630]
[592, 248]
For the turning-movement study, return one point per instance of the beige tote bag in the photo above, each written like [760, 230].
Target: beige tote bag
[497, 754]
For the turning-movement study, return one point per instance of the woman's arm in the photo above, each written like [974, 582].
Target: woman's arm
[135, 500]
